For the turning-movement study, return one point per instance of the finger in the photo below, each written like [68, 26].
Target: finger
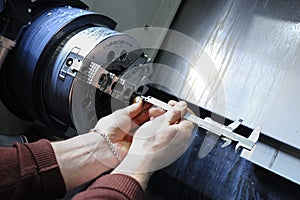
[146, 106]
[184, 131]
[128, 138]
[172, 102]
[149, 112]
[155, 112]
[137, 99]
[186, 127]
[135, 108]
[141, 118]
[190, 111]
[176, 113]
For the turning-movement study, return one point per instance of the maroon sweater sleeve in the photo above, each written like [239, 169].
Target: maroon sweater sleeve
[30, 171]
[113, 186]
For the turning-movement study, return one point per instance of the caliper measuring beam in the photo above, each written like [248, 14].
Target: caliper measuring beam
[225, 132]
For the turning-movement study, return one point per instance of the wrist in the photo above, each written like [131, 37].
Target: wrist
[83, 158]
[109, 143]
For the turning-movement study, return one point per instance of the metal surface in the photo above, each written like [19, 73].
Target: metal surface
[77, 48]
[35, 65]
[132, 14]
[132, 80]
[106, 58]
[253, 49]
[10, 140]
[57, 55]
[220, 175]
[276, 157]
[71, 64]
[226, 132]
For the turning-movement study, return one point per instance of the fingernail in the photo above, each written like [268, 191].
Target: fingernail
[172, 102]
[137, 99]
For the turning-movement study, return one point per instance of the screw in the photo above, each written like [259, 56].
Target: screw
[69, 62]
[102, 79]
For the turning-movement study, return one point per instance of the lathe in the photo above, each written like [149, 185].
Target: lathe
[64, 67]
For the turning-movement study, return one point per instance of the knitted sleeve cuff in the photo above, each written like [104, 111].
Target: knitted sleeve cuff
[126, 185]
[52, 182]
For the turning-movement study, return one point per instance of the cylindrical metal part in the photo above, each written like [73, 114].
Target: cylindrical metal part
[39, 77]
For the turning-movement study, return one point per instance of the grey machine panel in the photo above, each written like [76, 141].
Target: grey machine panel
[253, 49]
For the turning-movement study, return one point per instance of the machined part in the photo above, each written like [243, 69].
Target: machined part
[100, 78]
[71, 65]
[122, 88]
[94, 90]
[58, 52]
[39, 57]
[134, 80]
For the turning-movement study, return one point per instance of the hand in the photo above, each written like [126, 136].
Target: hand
[157, 143]
[84, 157]
[121, 124]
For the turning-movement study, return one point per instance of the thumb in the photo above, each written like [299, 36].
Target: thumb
[134, 109]
[176, 112]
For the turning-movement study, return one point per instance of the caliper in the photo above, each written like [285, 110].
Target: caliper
[225, 132]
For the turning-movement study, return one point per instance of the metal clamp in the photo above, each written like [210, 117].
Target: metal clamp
[72, 64]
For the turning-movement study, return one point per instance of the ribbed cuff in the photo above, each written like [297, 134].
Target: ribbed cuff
[52, 182]
[124, 184]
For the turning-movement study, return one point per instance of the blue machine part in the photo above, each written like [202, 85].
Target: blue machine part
[30, 65]
[36, 38]
[1, 5]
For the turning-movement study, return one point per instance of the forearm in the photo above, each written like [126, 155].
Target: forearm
[83, 158]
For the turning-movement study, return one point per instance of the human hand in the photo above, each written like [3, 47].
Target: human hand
[121, 124]
[157, 143]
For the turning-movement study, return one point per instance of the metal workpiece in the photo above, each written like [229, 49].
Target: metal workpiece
[133, 80]
[107, 80]
[70, 59]
[48, 55]
[71, 63]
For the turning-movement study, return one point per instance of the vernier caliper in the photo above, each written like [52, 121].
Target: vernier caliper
[225, 132]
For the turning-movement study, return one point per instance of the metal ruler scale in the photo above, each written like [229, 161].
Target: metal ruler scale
[225, 132]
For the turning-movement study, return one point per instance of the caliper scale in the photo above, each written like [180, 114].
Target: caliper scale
[225, 132]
